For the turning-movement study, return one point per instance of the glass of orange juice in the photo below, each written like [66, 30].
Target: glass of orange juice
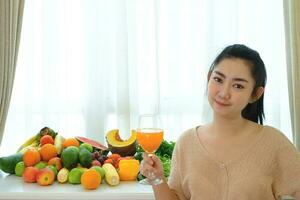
[150, 136]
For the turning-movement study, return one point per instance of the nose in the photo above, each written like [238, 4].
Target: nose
[224, 92]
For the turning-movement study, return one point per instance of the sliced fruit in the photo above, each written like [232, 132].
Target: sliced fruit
[91, 142]
[120, 146]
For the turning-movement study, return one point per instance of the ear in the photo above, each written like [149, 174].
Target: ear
[257, 94]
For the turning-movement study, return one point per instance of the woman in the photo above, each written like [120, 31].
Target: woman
[234, 156]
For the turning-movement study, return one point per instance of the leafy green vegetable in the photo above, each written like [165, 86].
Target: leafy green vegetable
[166, 162]
[165, 149]
[164, 152]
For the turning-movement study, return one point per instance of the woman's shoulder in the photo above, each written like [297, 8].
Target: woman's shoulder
[187, 136]
[275, 136]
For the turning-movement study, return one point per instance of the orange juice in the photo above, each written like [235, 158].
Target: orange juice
[150, 139]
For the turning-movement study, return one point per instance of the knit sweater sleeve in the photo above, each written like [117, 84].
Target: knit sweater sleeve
[287, 175]
[175, 178]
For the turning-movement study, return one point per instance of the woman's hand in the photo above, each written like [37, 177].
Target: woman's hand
[151, 164]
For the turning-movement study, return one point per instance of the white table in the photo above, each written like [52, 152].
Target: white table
[13, 187]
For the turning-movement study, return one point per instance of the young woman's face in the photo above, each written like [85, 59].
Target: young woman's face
[230, 87]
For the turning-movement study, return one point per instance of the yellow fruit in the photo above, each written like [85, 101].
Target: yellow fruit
[128, 169]
[62, 175]
[111, 174]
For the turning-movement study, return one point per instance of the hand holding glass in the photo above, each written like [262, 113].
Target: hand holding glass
[149, 137]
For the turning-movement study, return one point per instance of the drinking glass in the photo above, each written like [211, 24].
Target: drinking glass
[150, 136]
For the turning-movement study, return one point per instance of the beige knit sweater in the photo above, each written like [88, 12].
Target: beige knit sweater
[270, 168]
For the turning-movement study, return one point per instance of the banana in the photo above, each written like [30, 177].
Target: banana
[35, 140]
[28, 142]
[34, 145]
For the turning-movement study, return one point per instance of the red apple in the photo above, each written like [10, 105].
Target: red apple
[29, 174]
[45, 177]
[56, 161]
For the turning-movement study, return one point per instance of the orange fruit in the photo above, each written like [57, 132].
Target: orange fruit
[46, 139]
[48, 151]
[71, 142]
[31, 157]
[90, 179]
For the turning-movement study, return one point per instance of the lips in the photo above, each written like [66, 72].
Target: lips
[221, 103]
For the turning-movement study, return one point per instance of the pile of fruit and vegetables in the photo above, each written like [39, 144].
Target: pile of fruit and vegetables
[48, 157]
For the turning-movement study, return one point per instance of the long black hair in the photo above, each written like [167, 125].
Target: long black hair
[253, 111]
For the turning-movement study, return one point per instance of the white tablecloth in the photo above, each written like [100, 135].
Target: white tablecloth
[13, 187]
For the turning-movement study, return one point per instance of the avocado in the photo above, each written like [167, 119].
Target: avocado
[70, 157]
[85, 157]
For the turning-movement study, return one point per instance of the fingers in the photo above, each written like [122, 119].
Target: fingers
[146, 165]
[155, 159]
[146, 169]
[150, 165]
[159, 171]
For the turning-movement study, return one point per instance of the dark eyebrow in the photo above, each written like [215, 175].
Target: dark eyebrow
[235, 79]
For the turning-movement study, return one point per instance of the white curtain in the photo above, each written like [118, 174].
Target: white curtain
[87, 66]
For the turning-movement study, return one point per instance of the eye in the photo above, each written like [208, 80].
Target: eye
[217, 79]
[238, 86]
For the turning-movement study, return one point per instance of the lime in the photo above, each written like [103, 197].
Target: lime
[19, 169]
[75, 175]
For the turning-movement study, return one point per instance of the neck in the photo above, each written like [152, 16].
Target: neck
[228, 127]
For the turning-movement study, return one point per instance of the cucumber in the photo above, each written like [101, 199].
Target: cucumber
[8, 163]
